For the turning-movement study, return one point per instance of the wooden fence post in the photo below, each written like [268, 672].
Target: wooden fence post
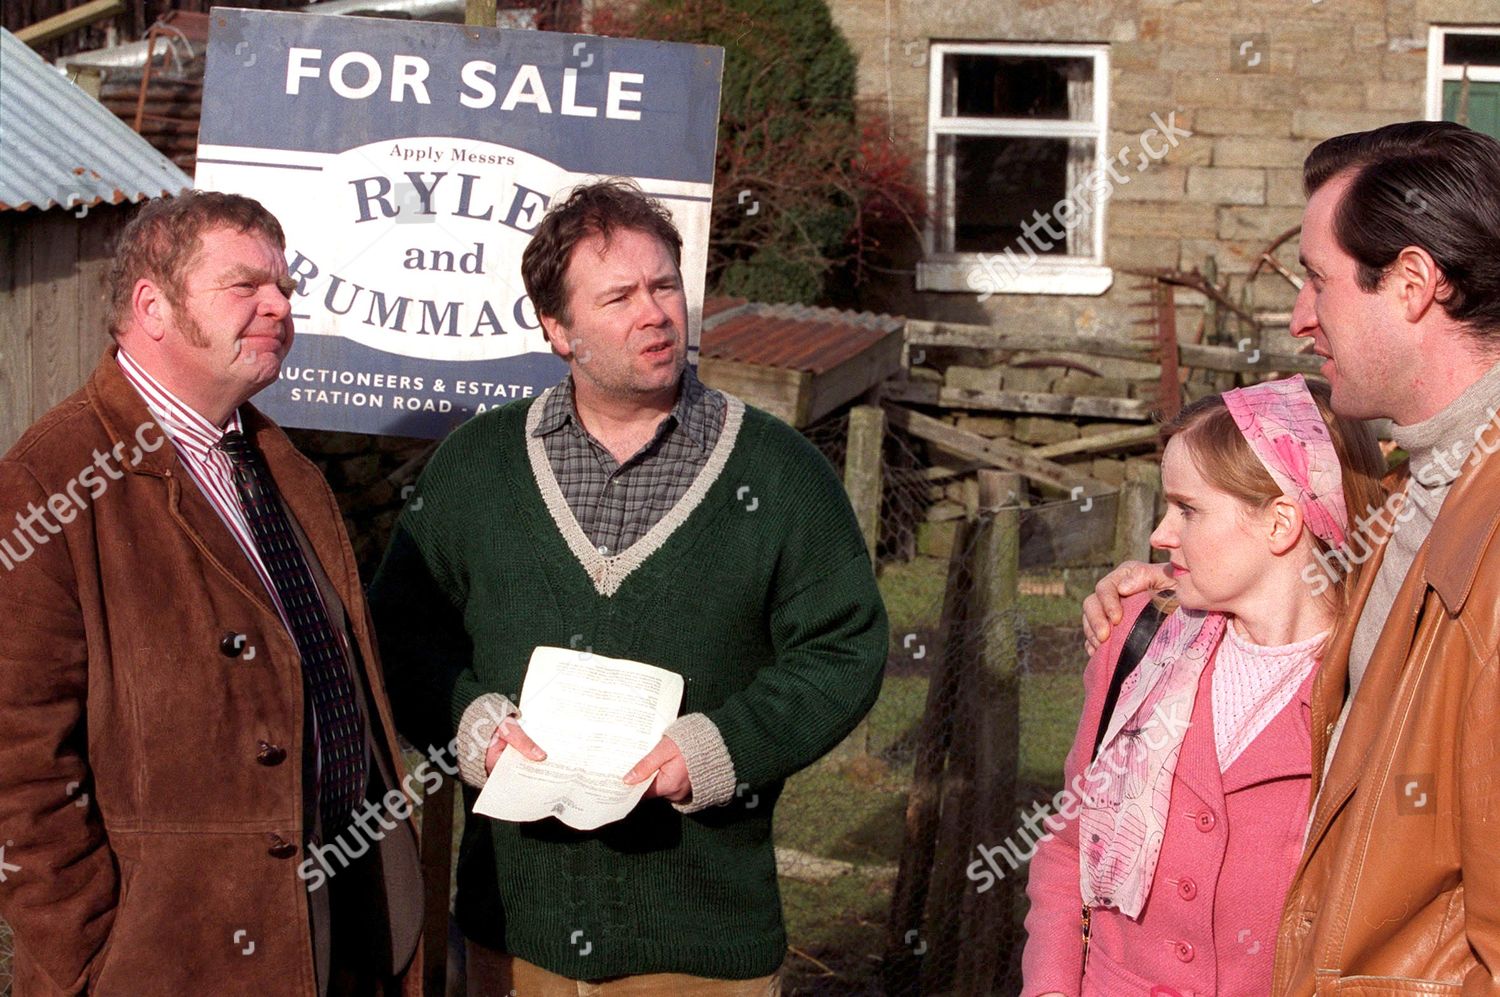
[437, 877]
[862, 482]
[906, 935]
[1136, 514]
[994, 722]
[862, 470]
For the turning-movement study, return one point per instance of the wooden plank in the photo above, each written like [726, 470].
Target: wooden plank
[15, 326]
[1103, 441]
[54, 309]
[911, 392]
[854, 377]
[1028, 402]
[1041, 403]
[984, 337]
[69, 20]
[999, 453]
[1073, 534]
[1219, 358]
[1222, 358]
[783, 393]
[101, 227]
[937, 472]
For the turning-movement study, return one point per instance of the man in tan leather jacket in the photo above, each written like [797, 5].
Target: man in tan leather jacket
[1398, 888]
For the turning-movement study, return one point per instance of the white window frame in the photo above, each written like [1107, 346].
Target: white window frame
[1438, 74]
[1047, 275]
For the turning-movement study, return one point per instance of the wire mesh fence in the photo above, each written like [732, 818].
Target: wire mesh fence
[885, 886]
[7, 952]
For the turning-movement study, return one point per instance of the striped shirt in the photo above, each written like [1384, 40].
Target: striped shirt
[196, 440]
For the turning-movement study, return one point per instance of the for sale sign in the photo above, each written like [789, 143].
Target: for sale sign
[410, 163]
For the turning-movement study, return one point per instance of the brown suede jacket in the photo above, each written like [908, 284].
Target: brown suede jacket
[1398, 890]
[151, 721]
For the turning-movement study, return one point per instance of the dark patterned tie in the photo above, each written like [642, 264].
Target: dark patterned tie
[325, 671]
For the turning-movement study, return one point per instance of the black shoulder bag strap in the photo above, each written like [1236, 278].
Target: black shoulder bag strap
[1136, 643]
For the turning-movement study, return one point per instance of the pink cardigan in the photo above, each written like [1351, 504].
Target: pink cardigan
[1209, 926]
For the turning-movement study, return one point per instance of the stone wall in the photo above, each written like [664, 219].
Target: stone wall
[1326, 67]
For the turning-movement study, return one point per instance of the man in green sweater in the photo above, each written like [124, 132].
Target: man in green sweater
[634, 512]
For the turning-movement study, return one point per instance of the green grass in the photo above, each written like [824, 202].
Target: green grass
[1050, 705]
[1052, 611]
[913, 593]
[894, 718]
[854, 812]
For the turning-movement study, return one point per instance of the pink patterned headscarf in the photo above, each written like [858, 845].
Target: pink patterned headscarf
[1285, 430]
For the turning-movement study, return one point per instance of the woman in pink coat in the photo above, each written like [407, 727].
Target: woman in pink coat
[1166, 875]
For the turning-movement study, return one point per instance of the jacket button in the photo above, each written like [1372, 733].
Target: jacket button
[1183, 951]
[281, 848]
[1206, 820]
[231, 644]
[1187, 889]
[270, 754]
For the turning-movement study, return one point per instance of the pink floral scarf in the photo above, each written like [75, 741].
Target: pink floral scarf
[1123, 818]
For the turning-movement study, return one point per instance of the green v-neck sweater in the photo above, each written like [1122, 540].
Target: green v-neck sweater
[762, 598]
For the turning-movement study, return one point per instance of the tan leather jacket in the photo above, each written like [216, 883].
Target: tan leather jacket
[1398, 890]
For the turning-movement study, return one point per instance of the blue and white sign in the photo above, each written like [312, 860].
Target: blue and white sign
[409, 163]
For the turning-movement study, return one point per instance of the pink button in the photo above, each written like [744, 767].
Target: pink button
[1187, 889]
[1183, 951]
[1206, 821]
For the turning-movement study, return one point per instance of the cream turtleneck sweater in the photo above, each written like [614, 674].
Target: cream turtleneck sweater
[1438, 446]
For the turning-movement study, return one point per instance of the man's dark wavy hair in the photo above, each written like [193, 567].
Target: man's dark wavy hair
[1431, 184]
[593, 209]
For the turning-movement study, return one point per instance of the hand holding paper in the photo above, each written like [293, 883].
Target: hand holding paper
[596, 716]
[671, 780]
[509, 732]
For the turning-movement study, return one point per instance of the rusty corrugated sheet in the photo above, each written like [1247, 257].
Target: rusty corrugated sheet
[61, 148]
[791, 337]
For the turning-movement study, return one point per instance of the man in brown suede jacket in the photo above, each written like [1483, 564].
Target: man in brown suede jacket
[191, 706]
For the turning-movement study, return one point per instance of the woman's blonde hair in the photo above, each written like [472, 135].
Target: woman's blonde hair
[1223, 456]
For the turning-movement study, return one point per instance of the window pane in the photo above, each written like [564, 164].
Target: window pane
[1471, 50]
[1015, 86]
[989, 187]
[1474, 104]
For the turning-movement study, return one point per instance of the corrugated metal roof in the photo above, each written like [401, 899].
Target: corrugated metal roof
[61, 148]
[792, 337]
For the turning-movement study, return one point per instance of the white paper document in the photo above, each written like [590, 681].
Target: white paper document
[595, 717]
